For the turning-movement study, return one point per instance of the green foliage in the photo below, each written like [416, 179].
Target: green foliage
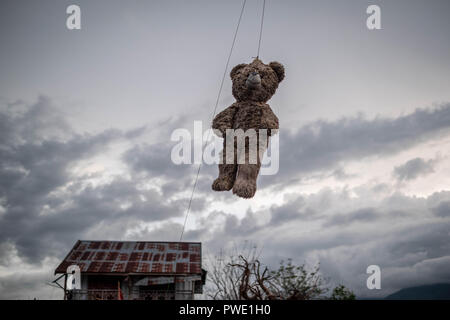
[241, 276]
[296, 282]
[342, 293]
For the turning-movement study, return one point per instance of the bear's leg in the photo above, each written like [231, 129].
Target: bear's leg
[245, 184]
[227, 174]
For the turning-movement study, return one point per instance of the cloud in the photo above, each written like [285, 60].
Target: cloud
[442, 209]
[293, 210]
[29, 281]
[345, 233]
[46, 205]
[427, 271]
[154, 160]
[317, 147]
[414, 168]
[32, 124]
[363, 214]
[324, 145]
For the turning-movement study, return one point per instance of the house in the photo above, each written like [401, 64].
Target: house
[133, 270]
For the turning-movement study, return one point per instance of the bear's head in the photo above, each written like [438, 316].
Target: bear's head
[256, 81]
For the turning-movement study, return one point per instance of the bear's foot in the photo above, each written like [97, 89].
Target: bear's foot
[244, 188]
[222, 184]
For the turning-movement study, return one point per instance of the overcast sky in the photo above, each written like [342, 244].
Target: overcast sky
[86, 117]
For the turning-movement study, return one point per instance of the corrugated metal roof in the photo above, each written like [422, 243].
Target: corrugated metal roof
[152, 280]
[134, 257]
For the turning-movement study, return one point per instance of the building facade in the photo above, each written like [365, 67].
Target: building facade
[132, 270]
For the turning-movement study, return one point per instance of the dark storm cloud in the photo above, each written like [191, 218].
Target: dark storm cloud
[411, 247]
[33, 124]
[442, 209]
[414, 168]
[46, 208]
[316, 147]
[363, 215]
[154, 160]
[291, 211]
[92, 207]
[33, 284]
[323, 145]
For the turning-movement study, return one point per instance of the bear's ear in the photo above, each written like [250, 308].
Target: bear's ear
[279, 70]
[236, 69]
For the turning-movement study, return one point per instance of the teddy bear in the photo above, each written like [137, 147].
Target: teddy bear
[252, 85]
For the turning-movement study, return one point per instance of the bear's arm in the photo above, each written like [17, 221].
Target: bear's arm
[269, 120]
[224, 120]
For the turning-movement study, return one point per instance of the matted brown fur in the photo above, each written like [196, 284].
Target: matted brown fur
[250, 111]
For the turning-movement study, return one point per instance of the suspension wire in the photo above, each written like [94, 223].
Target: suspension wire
[213, 115]
[261, 28]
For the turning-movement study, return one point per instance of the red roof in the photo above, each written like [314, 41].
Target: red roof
[143, 257]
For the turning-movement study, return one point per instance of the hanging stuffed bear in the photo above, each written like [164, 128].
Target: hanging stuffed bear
[253, 85]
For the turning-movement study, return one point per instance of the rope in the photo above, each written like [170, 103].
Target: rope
[261, 28]
[213, 115]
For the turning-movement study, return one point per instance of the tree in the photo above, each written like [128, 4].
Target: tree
[293, 282]
[243, 277]
[342, 293]
[224, 278]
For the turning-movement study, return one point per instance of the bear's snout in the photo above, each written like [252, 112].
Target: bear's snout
[253, 80]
